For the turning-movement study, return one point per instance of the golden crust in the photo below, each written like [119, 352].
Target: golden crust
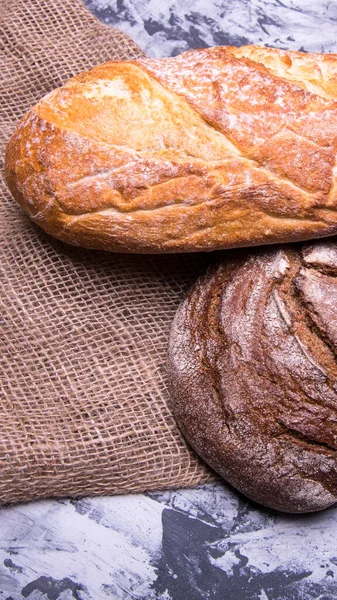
[216, 148]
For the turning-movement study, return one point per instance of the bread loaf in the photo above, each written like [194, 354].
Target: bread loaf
[253, 374]
[216, 148]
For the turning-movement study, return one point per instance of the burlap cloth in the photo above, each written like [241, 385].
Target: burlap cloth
[84, 405]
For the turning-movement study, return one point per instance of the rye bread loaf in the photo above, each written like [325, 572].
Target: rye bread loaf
[253, 374]
[216, 148]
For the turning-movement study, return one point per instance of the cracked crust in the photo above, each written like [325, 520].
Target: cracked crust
[253, 374]
[216, 148]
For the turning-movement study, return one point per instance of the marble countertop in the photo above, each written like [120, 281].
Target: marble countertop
[201, 544]
[170, 27]
[208, 543]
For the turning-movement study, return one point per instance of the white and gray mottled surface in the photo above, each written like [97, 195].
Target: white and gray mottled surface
[203, 544]
[166, 28]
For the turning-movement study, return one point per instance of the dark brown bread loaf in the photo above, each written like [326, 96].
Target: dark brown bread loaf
[253, 374]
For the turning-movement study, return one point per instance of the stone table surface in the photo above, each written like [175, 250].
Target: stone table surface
[208, 543]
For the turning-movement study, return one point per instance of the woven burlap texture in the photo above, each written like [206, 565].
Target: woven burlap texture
[84, 407]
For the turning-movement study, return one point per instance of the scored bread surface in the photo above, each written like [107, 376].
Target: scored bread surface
[215, 148]
[253, 374]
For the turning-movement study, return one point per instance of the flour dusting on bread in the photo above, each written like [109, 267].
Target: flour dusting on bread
[216, 148]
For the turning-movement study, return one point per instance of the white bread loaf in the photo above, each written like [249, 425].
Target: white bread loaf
[215, 148]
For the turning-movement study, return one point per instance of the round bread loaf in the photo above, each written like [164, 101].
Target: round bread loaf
[253, 374]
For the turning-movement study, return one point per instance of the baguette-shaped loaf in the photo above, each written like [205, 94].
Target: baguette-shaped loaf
[215, 148]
